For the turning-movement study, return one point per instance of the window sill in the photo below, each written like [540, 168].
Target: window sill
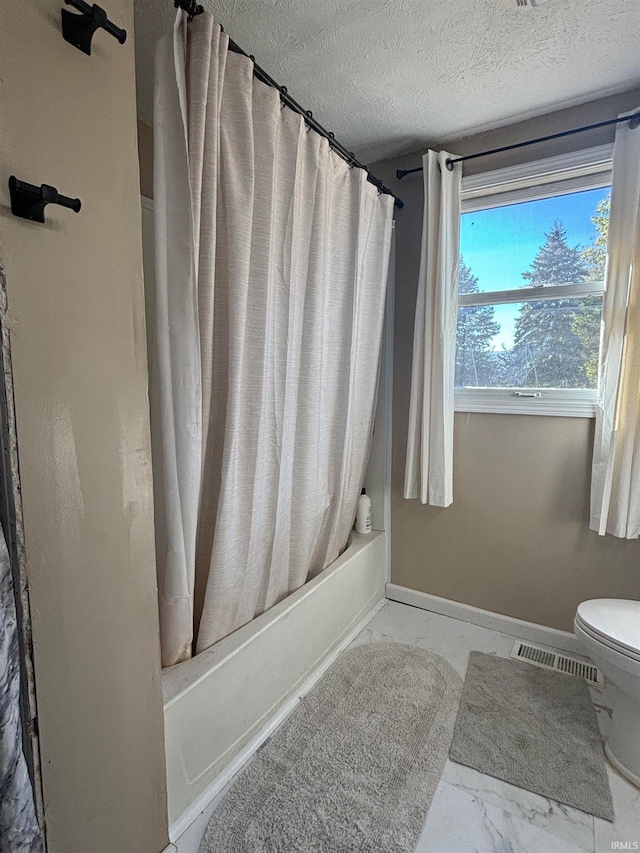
[572, 404]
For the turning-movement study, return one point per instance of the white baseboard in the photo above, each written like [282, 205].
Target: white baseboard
[562, 640]
[210, 793]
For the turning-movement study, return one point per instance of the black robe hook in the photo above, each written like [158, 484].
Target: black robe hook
[78, 30]
[29, 201]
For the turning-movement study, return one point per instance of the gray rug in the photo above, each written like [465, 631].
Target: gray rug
[535, 729]
[355, 766]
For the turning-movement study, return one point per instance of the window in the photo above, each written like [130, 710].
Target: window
[532, 252]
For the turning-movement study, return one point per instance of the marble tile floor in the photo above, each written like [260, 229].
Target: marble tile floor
[472, 812]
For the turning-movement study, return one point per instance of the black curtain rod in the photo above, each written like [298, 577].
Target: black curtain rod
[192, 9]
[634, 121]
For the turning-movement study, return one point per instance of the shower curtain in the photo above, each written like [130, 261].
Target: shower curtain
[271, 265]
[19, 830]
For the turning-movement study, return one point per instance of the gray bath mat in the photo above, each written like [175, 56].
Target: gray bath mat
[534, 729]
[354, 767]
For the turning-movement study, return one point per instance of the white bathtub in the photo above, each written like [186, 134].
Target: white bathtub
[222, 704]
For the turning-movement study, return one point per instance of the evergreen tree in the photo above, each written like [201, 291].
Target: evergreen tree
[595, 255]
[547, 350]
[587, 324]
[476, 328]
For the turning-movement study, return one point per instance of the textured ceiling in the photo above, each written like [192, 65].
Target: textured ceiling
[388, 75]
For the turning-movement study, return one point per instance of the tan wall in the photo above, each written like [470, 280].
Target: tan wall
[516, 539]
[76, 313]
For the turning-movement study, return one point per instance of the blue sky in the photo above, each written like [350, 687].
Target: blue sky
[500, 244]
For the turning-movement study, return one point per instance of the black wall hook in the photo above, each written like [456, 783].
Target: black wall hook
[29, 201]
[78, 30]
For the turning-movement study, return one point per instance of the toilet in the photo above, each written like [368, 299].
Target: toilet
[609, 631]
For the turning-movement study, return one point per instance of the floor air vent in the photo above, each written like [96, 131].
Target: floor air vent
[560, 663]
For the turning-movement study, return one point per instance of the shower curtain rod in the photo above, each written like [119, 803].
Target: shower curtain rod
[192, 9]
[634, 121]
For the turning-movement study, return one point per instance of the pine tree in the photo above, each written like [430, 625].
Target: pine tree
[476, 327]
[587, 324]
[595, 255]
[547, 350]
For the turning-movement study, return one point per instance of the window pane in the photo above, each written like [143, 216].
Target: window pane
[548, 344]
[553, 240]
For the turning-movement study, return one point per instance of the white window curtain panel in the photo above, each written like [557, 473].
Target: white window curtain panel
[615, 479]
[272, 259]
[429, 462]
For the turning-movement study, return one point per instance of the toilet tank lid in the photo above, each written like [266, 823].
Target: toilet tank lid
[616, 619]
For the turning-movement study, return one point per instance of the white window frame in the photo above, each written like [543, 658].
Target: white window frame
[568, 173]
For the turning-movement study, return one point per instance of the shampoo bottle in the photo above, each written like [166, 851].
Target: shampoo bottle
[363, 515]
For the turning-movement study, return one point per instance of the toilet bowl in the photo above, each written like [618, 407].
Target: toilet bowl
[609, 631]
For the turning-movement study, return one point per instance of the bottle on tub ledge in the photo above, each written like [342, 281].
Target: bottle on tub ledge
[363, 515]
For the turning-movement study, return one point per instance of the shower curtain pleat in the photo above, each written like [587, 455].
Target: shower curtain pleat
[289, 255]
[177, 467]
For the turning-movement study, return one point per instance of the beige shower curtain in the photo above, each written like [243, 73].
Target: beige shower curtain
[272, 258]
